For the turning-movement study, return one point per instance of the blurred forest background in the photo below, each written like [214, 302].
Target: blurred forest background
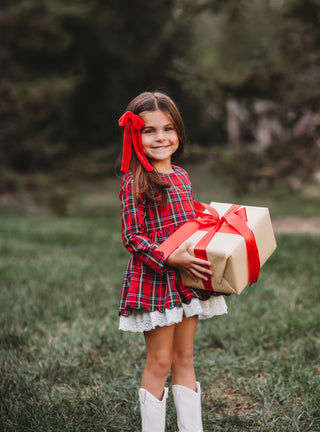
[244, 73]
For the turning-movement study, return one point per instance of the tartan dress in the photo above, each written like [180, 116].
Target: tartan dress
[149, 283]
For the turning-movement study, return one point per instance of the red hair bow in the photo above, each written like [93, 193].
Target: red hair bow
[132, 137]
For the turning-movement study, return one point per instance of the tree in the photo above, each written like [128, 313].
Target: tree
[126, 48]
[70, 68]
[256, 67]
[37, 78]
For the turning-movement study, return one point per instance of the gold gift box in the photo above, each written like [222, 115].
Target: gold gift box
[228, 252]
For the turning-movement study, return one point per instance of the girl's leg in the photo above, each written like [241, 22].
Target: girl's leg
[159, 344]
[186, 391]
[182, 355]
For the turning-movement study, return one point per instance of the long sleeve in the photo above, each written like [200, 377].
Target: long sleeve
[149, 283]
[133, 229]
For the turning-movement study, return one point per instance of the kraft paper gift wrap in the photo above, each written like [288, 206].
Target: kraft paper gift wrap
[228, 253]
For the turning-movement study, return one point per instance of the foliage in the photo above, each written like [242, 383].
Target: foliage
[252, 49]
[289, 165]
[70, 68]
[64, 365]
[256, 66]
[37, 61]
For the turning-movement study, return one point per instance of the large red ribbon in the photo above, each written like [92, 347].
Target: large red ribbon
[234, 221]
[132, 138]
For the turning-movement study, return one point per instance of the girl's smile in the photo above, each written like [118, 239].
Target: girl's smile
[159, 139]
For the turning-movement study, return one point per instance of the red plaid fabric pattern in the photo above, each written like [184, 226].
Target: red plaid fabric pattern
[149, 282]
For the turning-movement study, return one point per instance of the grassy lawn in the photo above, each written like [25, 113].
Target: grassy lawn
[64, 366]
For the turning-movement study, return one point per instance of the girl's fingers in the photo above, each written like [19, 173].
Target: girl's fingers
[185, 246]
[195, 267]
[184, 249]
[191, 275]
[201, 268]
[200, 271]
[196, 274]
[201, 262]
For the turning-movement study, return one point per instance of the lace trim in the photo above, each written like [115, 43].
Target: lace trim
[140, 321]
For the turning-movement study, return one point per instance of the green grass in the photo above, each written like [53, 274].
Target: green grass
[64, 365]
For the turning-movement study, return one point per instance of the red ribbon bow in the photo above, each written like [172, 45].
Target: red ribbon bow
[132, 137]
[234, 221]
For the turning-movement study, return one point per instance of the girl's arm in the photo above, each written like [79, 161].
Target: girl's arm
[136, 240]
[133, 230]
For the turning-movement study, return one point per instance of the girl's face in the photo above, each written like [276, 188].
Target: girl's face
[159, 139]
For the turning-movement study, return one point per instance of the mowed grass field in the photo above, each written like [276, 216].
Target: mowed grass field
[64, 365]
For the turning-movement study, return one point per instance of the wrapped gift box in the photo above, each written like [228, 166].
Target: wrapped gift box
[228, 252]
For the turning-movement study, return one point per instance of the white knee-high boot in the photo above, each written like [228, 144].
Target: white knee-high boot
[188, 406]
[153, 411]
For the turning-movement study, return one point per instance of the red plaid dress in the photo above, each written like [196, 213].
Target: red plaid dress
[149, 283]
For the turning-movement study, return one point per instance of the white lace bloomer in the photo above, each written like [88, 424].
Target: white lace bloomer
[142, 320]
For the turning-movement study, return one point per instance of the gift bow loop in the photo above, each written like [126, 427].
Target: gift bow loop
[132, 124]
[234, 221]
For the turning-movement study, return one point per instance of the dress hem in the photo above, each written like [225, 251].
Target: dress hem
[143, 320]
[127, 311]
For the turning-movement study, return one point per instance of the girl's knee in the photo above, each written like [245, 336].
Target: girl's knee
[160, 363]
[183, 358]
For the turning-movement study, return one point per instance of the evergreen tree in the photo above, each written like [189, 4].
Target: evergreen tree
[69, 69]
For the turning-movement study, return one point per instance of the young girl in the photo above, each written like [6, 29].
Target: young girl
[156, 199]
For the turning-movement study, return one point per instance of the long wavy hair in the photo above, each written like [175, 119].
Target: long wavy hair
[150, 185]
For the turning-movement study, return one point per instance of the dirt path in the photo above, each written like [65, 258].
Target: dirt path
[290, 225]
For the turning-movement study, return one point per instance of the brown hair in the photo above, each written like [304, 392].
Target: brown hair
[150, 185]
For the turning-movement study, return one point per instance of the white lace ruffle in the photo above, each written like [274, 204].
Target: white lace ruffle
[140, 321]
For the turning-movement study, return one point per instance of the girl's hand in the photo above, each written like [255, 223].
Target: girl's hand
[195, 267]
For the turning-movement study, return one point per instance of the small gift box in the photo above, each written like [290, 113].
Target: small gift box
[237, 240]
